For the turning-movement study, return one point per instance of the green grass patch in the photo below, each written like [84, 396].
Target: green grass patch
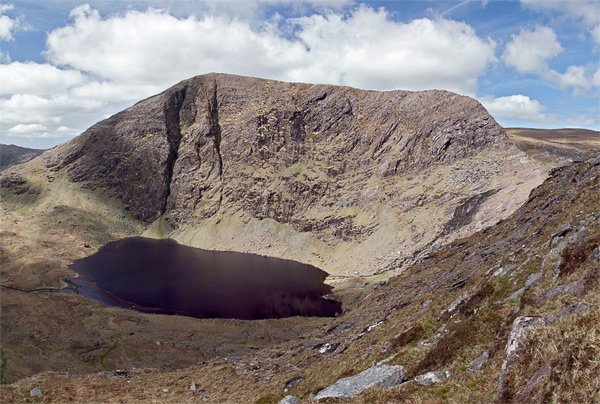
[427, 325]
[269, 399]
[3, 367]
[503, 286]
[115, 340]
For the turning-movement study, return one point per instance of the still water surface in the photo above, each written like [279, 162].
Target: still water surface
[162, 276]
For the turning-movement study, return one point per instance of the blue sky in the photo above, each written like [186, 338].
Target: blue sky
[65, 65]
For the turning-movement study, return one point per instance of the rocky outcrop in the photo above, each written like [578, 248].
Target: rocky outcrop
[521, 326]
[381, 376]
[480, 362]
[344, 165]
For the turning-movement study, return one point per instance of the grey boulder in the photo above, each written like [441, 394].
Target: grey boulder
[429, 378]
[382, 376]
[289, 400]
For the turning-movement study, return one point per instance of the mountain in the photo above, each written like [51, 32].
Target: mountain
[348, 180]
[11, 155]
[423, 210]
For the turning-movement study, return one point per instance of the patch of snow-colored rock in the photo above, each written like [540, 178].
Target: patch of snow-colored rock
[429, 378]
[381, 376]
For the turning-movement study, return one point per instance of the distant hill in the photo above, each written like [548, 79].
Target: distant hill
[11, 155]
[555, 147]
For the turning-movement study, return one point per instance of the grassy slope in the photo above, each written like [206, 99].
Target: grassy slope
[488, 267]
[555, 147]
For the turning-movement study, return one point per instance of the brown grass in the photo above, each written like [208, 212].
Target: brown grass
[577, 254]
[412, 334]
[572, 348]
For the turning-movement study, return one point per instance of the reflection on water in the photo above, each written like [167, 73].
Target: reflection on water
[162, 276]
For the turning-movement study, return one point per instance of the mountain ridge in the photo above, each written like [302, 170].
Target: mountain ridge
[319, 160]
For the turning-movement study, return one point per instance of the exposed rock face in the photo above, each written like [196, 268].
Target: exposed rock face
[518, 333]
[382, 376]
[343, 164]
[480, 362]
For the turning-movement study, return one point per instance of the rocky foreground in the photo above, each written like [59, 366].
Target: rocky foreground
[507, 315]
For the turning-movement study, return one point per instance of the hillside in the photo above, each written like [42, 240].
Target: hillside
[555, 147]
[509, 314]
[11, 155]
[365, 185]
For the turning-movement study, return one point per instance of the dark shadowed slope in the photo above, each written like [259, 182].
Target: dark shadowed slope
[11, 155]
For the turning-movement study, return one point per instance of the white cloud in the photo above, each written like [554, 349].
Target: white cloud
[368, 50]
[10, 25]
[529, 51]
[585, 11]
[573, 77]
[7, 25]
[98, 65]
[31, 131]
[27, 108]
[122, 48]
[515, 106]
[363, 49]
[35, 78]
[595, 32]
[30, 128]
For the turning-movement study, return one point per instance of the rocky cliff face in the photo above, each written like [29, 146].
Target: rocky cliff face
[345, 166]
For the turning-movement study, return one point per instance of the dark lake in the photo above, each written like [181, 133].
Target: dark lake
[163, 276]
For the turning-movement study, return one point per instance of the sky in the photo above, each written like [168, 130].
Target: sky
[65, 64]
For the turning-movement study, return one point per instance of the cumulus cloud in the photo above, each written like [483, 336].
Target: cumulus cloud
[7, 24]
[27, 108]
[22, 128]
[36, 78]
[31, 131]
[10, 25]
[98, 64]
[368, 50]
[363, 49]
[585, 12]
[515, 106]
[529, 52]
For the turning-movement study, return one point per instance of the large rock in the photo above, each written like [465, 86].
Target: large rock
[480, 362]
[382, 376]
[518, 333]
[574, 289]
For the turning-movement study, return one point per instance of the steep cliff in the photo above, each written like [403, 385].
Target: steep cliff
[224, 162]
